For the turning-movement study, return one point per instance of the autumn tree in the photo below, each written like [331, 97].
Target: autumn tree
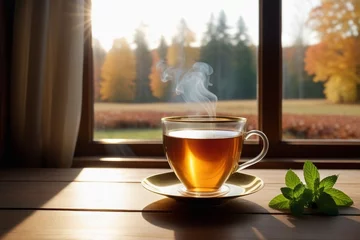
[155, 76]
[143, 67]
[118, 73]
[180, 54]
[99, 56]
[336, 59]
[159, 88]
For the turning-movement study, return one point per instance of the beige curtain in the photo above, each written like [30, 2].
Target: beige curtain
[46, 86]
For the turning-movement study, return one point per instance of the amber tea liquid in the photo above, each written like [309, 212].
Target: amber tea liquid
[203, 159]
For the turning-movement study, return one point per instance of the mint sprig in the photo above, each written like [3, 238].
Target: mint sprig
[317, 195]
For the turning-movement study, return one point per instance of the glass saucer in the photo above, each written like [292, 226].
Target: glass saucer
[167, 184]
[222, 191]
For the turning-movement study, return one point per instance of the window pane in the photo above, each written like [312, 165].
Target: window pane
[144, 56]
[321, 69]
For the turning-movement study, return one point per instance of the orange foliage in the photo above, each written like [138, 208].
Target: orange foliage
[176, 52]
[158, 87]
[118, 73]
[336, 59]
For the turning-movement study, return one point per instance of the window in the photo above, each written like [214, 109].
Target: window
[320, 70]
[133, 52]
[269, 108]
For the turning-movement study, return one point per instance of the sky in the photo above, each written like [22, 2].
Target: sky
[117, 18]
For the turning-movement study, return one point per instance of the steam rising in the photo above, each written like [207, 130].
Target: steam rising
[192, 85]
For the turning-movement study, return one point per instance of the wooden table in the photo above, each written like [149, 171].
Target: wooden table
[111, 204]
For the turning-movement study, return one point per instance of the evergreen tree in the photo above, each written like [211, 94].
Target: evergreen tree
[210, 31]
[208, 51]
[160, 89]
[244, 81]
[223, 70]
[162, 49]
[143, 67]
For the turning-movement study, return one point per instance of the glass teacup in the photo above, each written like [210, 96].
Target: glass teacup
[204, 151]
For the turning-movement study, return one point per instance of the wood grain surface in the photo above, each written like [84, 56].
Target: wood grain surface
[111, 204]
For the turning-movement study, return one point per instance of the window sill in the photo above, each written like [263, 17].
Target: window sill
[268, 163]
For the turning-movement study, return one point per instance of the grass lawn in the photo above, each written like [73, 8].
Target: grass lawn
[319, 107]
[128, 133]
[306, 107]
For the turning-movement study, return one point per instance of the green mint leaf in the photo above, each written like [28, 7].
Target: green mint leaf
[327, 205]
[287, 192]
[316, 184]
[291, 179]
[298, 190]
[340, 198]
[280, 202]
[329, 181]
[311, 173]
[316, 193]
[297, 207]
[307, 195]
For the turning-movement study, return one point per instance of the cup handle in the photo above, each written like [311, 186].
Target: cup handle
[262, 154]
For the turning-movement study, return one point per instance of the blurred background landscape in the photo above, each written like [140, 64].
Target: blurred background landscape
[321, 64]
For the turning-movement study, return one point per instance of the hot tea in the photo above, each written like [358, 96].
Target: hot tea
[203, 159]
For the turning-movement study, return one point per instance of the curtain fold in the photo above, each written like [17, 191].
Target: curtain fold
[46, 86]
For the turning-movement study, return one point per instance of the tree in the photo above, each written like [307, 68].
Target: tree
[143, 67]
[217, 52]
[297, 84]
[185, 36]
[162, 49]
[223, 70]
[208, 51]
[210, 34]
[181, 55]
[244, 81]
[118, 73]
[336, 59]
[99, 56]
[159, 88]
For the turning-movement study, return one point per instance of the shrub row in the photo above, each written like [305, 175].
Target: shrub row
[296, 126]
[322, 127]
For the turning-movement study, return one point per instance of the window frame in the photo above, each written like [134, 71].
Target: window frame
[269, 109]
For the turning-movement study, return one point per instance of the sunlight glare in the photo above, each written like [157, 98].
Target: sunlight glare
[114, 19]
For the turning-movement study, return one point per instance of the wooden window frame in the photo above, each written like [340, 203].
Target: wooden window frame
[269, 111]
